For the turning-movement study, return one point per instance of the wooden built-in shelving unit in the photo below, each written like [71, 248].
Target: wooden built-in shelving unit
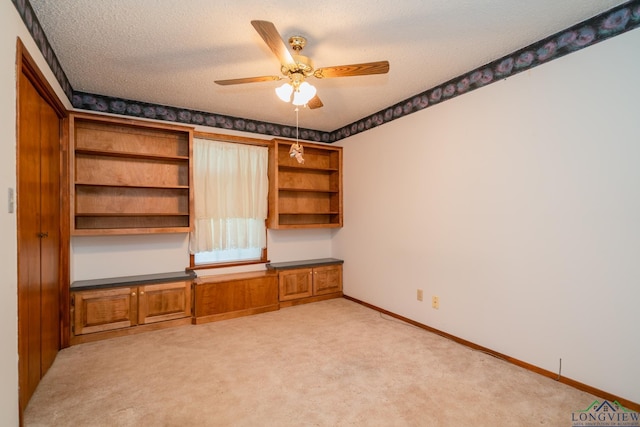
[301, 282]
[129, 177]
[309, 194]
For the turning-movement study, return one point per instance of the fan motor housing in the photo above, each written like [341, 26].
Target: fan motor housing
[303, 65]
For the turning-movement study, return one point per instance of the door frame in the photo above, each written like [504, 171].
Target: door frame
[26, 65]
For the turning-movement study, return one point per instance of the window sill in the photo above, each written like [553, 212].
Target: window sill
[226, 264]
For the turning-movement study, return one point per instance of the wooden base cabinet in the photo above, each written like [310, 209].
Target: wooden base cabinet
[233, 295]
[123, 310]
[308, 281]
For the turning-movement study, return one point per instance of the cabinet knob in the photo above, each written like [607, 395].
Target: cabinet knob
[133, 294]
[141, 292]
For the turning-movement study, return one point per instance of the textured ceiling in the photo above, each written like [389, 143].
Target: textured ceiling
[170, 52]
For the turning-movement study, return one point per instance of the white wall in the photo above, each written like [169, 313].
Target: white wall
[517, 204]
[11, 27]
[95, 257]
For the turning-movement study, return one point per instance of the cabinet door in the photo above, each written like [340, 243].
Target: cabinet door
[165, 301]
[327, 279]
[105, 310]
[295, 283]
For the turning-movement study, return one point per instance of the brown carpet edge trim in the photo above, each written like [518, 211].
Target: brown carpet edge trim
[568, 381]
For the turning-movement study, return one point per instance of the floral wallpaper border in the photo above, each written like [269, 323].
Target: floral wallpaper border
[107, 104]
[35, 29]
[601, 27]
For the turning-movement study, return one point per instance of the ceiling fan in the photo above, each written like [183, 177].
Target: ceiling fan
[297, 68]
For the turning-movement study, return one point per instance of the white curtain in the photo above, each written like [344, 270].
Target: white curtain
[231, 189]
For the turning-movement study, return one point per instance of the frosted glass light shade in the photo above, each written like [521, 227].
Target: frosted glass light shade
[284, 92]
[304, 94]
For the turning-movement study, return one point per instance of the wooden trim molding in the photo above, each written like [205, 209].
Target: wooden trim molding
[232, 138]
[193, 266]
[27, 65]
[634, 406]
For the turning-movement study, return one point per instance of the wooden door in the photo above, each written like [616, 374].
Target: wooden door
[28, 217]
[39, 207]
[295, 283]
[49, 234]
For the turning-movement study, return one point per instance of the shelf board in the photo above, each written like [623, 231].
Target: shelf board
[93, 184]
[129, 214]
[306, 168]
[306, 190]
[129, 155]
[309, 225]
[308, 213]
[136, 230]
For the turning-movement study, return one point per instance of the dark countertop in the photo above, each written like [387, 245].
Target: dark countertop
[143, 279]
[303, 264]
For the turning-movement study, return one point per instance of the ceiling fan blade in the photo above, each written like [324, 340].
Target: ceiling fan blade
[367, 68]
[272, 38]
[247, 80]
[314, 103]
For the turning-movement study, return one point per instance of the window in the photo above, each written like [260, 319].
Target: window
[231, 198]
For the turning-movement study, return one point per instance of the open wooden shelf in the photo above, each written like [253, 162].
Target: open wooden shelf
[308, 190]
[129, 154]
[308, 168]
[129, 177]
[131, 214]
[104, 184]
[307, 195]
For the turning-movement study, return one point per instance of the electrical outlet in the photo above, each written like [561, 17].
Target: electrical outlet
[435, 302]
[419, 295]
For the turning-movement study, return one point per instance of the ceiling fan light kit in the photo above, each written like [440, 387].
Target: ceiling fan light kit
[303, 94]
[302, 91]
[298, 67]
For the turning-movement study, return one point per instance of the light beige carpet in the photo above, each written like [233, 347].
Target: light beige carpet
[332, 363]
